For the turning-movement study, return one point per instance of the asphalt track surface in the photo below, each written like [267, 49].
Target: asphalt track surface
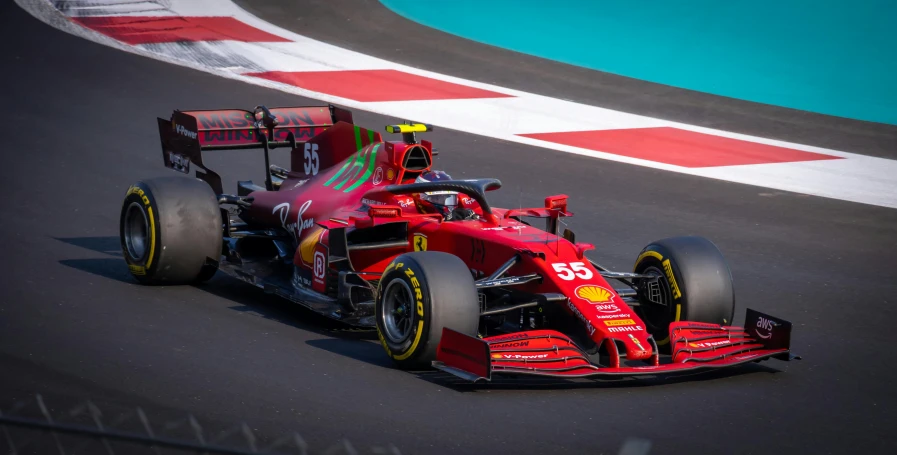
[79, 123]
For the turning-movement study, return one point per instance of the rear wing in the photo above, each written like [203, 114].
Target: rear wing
[188, 133]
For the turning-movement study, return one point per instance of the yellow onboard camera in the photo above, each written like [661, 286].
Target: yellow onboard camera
[408, 130]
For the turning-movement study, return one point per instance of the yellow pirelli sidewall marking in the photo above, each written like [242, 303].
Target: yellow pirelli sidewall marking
[678, 316]
[152, 224]
[383, 342]
[649, 253]
[420, 329]
[668, 269]
[380, 334]
[420, 312]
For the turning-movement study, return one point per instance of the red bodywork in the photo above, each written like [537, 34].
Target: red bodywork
[695, 345]
[339, 180]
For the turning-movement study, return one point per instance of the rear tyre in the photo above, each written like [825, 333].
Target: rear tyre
[694, 284]
[171, 231]
[420, 294]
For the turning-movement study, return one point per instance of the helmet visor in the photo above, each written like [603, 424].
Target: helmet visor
[445, 198]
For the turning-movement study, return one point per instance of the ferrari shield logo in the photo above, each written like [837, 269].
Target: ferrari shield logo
[420, 242]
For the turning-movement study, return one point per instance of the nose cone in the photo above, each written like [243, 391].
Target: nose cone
[638, 347]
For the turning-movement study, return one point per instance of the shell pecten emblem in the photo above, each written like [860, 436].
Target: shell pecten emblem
[594, 294]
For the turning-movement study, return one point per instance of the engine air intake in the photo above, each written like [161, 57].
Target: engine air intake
[416, 159]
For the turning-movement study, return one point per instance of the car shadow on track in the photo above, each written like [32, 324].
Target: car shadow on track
[106, 245]
[114, 269]
[544, 383]
[360, 350]
[249, 298]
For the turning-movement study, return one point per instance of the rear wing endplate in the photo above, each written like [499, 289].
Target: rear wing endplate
[188, 133]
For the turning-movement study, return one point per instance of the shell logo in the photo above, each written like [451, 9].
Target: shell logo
[594, 294]
[496, 356]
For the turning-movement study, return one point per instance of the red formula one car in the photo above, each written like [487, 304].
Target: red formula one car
[365, 231]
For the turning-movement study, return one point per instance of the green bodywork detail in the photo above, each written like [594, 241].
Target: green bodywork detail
[370, 170]
[357, 138]
[357, 165]
[336, 176]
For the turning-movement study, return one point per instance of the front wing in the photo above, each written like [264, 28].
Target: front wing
[695, 346]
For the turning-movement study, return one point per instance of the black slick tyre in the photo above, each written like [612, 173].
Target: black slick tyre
[421, 293]
[171, 231]
[694, 284]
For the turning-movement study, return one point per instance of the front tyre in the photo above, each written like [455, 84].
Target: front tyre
[694, 284]
[171, 231]
[420, 294]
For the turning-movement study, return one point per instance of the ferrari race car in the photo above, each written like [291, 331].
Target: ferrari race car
[364, 231]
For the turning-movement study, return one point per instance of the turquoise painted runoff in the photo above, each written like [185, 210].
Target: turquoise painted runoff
[832, 57]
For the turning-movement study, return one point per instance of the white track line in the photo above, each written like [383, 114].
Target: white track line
[856, 178]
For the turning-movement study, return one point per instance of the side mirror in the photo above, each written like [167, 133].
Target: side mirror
[264, 118]
[569, 236]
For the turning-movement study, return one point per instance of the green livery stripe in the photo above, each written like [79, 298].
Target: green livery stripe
[336, 176]
[358, 144]
[371, 161]
[370, 135]
[359, 163]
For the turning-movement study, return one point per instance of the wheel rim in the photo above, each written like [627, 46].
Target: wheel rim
[658, 317]
[398, 304]
[136, 231]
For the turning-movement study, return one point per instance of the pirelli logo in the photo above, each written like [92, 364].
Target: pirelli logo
[672, 279]
[619, 322]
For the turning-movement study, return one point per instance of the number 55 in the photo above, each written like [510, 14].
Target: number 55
[574, 269]
[311, 164]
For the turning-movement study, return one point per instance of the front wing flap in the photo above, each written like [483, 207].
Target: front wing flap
[695, 346]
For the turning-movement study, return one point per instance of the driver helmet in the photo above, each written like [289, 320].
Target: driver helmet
[445, 201]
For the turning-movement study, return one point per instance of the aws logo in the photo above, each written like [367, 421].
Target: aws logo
[764, 328]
